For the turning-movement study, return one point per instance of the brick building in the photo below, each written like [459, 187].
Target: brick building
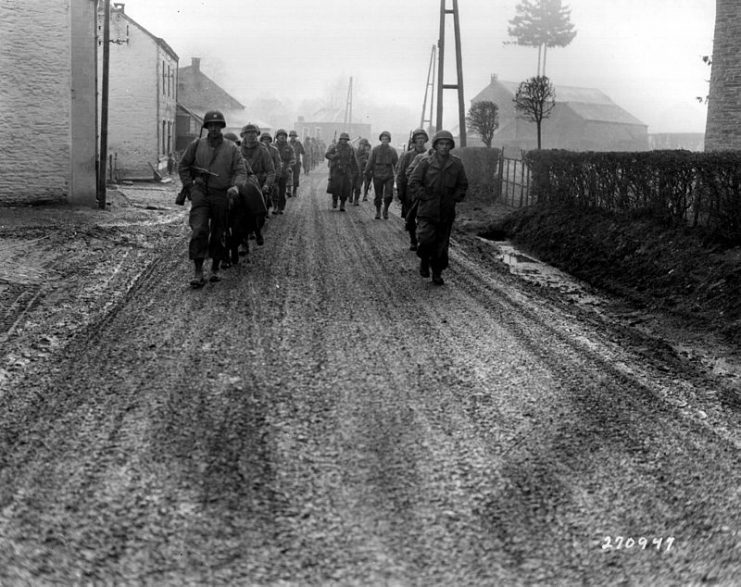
[584, 119]
[723, 129]
[48, 96]
[142, 97]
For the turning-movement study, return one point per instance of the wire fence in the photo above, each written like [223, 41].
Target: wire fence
[514, 182]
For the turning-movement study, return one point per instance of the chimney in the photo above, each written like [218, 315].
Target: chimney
[118, 6]
[493, 78]
[196, 64]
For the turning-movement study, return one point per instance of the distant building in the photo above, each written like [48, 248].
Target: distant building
[198, 93]
[584, 119]
[328, 123]
[142, 97]
[690, 141]
[47, 128]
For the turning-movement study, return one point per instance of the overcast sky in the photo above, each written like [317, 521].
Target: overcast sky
[646, 55]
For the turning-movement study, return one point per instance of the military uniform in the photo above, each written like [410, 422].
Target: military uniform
[300, 152]
[284, 176]
[343, 170]
[209, 202]
[380, 167]
[437, 184]
[362, 182]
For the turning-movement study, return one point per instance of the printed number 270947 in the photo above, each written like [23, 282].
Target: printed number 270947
[640, 543]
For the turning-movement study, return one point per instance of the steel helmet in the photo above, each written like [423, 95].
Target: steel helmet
[214, 116]
[293, 133]
[344, 135]
[250, 127]
[232, 137]
[266, 137]
[386, 133]
[281, 131]
[420, 132]
[443, 134]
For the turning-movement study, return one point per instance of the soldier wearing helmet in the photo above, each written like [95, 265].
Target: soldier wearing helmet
[211, 171]
[380, 168]
[267, 140]
[438, 183]
[284, 175]
[343, 170]
[300, 152]
[362, 182]
[419, 139]
[260, 160]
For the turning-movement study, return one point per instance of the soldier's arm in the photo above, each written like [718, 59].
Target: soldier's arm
[370, 163]
[188, 158]
[240, 168]
[269, 167]
[461, 185]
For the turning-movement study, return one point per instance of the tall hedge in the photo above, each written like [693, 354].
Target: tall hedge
[481, 165]
[674, 187]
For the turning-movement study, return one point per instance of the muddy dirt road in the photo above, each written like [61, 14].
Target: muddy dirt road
[324, 415]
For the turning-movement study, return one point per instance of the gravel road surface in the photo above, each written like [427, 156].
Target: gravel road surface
[323, 415]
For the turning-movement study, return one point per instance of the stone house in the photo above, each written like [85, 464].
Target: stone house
[197, 93]
[142, 96]
[48, 96]
[584, 119]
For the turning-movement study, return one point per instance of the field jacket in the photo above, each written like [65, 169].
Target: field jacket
[382, 162]
[222, 158]
[437, 185]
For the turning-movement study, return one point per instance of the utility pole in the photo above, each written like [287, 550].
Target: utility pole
[429, 90]
[102, 170]
[348, 106]
[441, 85]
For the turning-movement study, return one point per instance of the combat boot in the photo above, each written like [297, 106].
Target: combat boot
[198, 280]
[356, 200]
[342, 205]
[424, 267]
[386, 210]
[334, 201]
[437, 278]
[378, 212]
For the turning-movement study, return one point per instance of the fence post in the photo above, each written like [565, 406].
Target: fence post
[522, 182]
[500, 171]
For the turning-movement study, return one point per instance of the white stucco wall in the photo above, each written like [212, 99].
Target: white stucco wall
[136, 103]
[34, 101]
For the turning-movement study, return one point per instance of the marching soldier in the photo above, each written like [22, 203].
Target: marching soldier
[298, 149]
[437, 183]
[343, 170]
[211, 171]
[284, 177]
[408, 210]
[380, 167]
[362, 183]
[259, 159]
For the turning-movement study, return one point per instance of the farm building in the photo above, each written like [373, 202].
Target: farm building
[584, 119]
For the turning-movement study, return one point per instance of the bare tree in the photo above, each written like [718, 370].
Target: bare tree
[542, 24]
[535, 100]
[483, 118]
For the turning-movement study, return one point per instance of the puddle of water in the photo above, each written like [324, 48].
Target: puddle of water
[531, 269]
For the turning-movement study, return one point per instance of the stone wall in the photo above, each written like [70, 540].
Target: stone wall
[723, 130]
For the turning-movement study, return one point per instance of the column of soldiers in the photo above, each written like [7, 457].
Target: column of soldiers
[429, 184]
[233, 184]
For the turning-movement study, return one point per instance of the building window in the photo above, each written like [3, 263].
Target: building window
[169, 137]
[164, 138]
[163, 78]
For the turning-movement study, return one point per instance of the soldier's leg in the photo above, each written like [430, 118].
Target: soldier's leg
[388, 196]
[217, 240]
[426, 239]
[439, 259]
[199, 226]
[296, 176]
[345, 191]
[378, 195]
